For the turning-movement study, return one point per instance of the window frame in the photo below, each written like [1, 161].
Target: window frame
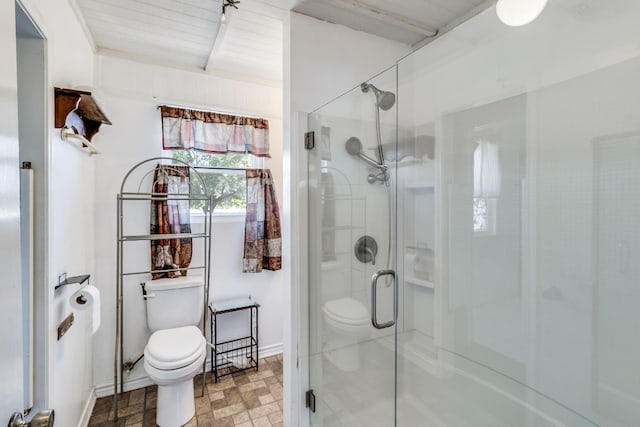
[220, 215]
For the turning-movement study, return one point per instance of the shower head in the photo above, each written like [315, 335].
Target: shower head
[384, 100]
[354, 147]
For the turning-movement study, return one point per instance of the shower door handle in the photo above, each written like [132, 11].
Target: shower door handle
[374, 298]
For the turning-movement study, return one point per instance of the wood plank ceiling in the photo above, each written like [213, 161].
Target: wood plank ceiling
[248, 43]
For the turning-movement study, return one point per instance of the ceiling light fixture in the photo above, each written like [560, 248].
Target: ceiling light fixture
[225, 4]
[516, 13]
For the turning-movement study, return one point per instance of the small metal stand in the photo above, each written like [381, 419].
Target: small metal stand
[241, 354]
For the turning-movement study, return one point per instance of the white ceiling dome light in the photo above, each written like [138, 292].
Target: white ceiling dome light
[516, 13]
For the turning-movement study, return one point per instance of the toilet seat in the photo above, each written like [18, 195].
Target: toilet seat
[346, 311]
[175, 348]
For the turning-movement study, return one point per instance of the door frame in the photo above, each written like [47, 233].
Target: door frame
[38, 143]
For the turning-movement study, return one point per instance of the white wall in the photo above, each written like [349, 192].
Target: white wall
[67, 381]
[322, 61]
[130, 93]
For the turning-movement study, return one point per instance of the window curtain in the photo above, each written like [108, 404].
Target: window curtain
[170, 216]
[262, 235]
[487, 178]
[215, 133]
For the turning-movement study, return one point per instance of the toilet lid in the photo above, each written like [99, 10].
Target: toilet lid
[348, 309]
[174, 348]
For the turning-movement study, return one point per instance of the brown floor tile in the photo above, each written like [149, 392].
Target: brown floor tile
[275, 417]
[203, 405]
[244, 399]
[255, 376]
[137, 396]
[216, 395]
[233, 396]
[98, 418]
[193, 422]
[205, 418]
[222, 385]
[251, 386]
[242, 417]
[123, 399]
[150, 403]
[219, 404]
[134, 419]
[149, 419]
[119, 423]
[241, 379]
[229, 411]
[224, 422]
[104, 404]
[271, 381]
[130, 410]
[267, 398]
[251, 400]
[262, 391]
[264, 410]
[262, 422]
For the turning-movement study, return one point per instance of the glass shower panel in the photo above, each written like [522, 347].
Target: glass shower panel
[518, 231]
[352, 236]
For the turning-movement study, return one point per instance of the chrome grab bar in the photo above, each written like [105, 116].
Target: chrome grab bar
[374, 294]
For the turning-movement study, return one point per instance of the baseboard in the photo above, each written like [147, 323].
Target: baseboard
[271, 350]
[144, 381]
[88, 409]
[129, 384]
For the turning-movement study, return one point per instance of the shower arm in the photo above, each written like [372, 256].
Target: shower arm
[372, 162]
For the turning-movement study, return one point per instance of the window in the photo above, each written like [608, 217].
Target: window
[484, 216]
[486, 186]
[227, 187]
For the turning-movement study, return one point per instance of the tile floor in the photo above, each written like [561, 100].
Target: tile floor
[245, 399]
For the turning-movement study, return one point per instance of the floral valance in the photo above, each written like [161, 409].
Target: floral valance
[217, 133]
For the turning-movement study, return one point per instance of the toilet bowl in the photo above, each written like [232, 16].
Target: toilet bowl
[176, 349]
[172, 358]
[347, 322]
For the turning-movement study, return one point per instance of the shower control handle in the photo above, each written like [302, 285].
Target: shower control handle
[374, 299]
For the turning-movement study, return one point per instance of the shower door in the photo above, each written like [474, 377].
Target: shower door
[352, 291]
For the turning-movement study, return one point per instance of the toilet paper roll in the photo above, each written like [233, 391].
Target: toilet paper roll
[88, 298]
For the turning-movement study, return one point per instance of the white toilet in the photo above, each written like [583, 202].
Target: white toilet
[348, 322]
[176, 350]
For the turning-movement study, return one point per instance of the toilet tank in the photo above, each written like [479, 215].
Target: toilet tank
[176, 302]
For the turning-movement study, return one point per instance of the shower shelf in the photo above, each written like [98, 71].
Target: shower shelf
[128, 238]
[343, 198]
[332, 265]
[341, 228]
[419, 247]
[419, 282]
[418, 186]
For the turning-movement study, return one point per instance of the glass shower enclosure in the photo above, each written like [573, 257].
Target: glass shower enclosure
[475, 244]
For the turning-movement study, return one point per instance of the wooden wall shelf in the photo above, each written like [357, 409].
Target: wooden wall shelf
[78, 110]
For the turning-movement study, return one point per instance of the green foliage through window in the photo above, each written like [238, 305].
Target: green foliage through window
[228, 188]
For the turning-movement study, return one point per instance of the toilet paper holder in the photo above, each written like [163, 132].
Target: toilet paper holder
[63, 280]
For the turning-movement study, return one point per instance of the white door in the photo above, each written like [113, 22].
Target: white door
[11, 350]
